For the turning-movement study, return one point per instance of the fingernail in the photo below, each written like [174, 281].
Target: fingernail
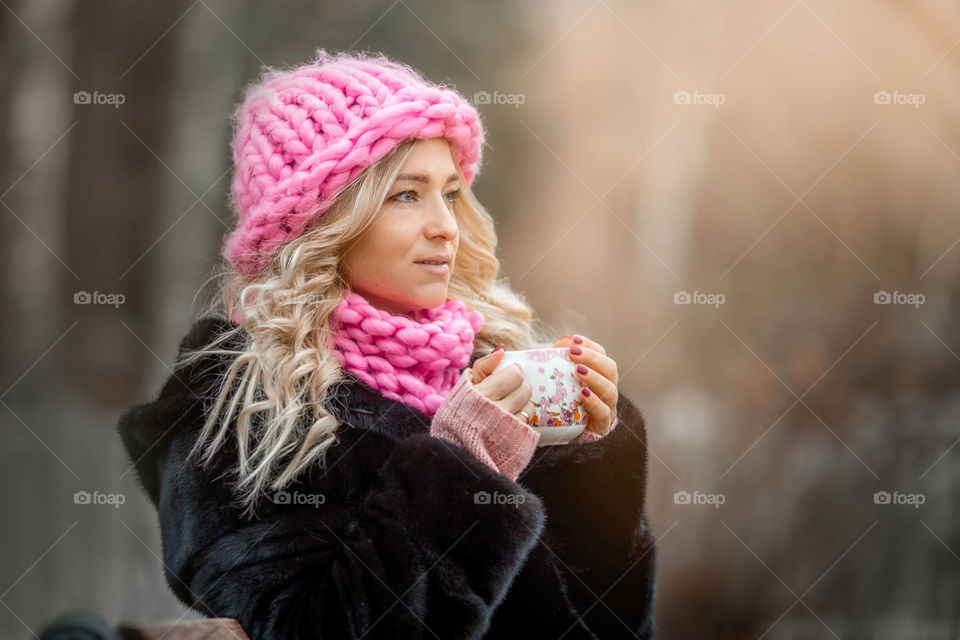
[499, 346]
[578, 339]
[582, 370]
[585, 392]
[576, 350]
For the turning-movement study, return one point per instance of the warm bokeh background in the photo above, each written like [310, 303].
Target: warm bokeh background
[785, 184]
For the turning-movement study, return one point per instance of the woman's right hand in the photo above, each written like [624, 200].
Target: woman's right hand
[505, 387]
[482, 414]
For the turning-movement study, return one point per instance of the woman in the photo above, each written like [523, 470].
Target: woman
[324, 456]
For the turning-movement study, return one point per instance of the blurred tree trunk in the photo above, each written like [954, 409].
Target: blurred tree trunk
[175, 246]
[35, 134]
[36, 130]
[194, 215]
[115, 183]
[12, 51]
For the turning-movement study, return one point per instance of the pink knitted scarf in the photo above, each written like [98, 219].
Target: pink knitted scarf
[415, 359]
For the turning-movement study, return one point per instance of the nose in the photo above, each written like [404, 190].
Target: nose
[441, 221]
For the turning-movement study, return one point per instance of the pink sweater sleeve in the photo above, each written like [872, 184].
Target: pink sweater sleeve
[497, 438]
[589, 436]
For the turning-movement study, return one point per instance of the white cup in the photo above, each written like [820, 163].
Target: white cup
[560, 414]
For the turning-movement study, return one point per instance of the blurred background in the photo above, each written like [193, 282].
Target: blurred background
[754, 207]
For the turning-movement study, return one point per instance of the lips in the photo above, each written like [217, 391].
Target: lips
[435, 269]
[436, 258]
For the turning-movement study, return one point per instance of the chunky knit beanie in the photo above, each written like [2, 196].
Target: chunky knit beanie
[302, 135]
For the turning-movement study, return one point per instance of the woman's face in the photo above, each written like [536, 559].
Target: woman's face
[416, 222]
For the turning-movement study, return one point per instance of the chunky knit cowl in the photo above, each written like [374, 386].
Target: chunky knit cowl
[416, 359]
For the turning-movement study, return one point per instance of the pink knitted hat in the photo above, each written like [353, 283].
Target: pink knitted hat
[302, 135]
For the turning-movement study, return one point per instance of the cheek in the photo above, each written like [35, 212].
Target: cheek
[380, 258]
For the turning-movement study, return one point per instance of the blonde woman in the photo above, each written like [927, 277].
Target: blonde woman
[321, 456]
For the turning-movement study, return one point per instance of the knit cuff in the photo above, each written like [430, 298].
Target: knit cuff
[589, 436]
[498, 438]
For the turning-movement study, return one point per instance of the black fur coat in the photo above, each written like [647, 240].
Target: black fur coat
[397, 538]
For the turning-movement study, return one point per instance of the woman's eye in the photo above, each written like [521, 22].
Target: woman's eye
[398, 197]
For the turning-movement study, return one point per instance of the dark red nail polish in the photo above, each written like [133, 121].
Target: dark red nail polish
[582, 370]
[578, 339]
[586, 392]
[576, 350]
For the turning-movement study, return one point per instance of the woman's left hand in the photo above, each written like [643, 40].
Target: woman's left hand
[598, 374]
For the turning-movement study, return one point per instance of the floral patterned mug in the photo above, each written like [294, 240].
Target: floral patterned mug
[560, 414]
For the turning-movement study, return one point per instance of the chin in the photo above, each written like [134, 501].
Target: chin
[431, 300]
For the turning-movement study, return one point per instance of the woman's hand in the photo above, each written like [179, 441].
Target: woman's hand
[598, 375]
[505, 387]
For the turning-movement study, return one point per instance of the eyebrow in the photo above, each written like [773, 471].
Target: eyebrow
[424, 178]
